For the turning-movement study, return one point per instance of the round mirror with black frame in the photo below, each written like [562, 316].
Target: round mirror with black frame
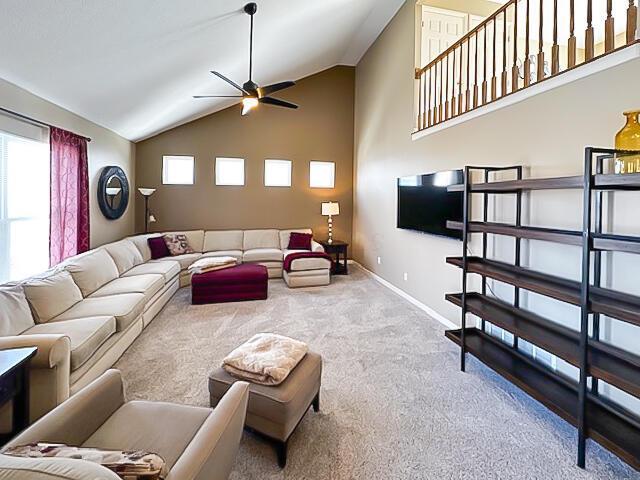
[113, 192]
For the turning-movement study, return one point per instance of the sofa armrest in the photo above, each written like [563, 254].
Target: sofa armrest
[53, 349]
[49, 374]
[75, 420]
[212, 451]
[316, 247]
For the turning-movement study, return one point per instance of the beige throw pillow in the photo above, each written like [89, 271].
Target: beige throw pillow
[177, 244]
[15, 314]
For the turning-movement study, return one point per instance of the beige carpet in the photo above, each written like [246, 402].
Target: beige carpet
[394, 404]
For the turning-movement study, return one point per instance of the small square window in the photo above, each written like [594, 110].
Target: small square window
[277, 173]
[178, 170]
[229, 171]
[322, 174]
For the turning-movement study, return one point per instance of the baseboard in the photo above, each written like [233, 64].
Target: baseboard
[429, 311]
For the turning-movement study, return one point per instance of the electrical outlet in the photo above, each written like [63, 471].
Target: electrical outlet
[379, 260]
[406, 276]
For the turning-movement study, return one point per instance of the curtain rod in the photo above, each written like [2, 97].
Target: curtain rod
[33, 120]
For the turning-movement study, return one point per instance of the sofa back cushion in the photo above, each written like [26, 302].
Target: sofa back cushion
[51, 295]
[15, 314]
[194, 237]
[215, 241]
[260, 239]
[140, 241]
[285, 234]
[125, 255]
[92, 270]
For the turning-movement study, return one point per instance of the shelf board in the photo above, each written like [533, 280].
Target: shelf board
[614, 366]
[622, 306]
[601, 241]
[615, 431]
[568, 237]
[603, 182]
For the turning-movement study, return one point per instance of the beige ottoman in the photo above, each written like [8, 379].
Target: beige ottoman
[308, 272]
[275, 412]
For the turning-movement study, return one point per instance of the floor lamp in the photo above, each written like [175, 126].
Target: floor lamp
[146, 193]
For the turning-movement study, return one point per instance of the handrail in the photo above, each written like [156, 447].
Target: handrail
[478, 69]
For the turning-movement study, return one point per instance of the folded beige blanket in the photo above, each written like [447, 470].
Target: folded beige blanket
[266, 359]
[210, 264]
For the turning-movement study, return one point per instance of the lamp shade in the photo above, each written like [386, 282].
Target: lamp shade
[146, 191]
[330, 208]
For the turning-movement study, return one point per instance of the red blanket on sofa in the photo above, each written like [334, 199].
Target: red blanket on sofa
[288, 260]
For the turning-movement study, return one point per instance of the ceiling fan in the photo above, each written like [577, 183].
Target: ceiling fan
[252, 94]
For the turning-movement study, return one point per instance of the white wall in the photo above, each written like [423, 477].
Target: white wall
[547, 133]
[106, 148]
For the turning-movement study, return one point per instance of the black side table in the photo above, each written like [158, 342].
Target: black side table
[14, 385]
[339, 249]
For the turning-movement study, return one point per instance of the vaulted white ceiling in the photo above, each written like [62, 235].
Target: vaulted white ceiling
[133, 65]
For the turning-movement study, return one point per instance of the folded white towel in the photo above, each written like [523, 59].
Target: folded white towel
[266, 358]
[209, 264]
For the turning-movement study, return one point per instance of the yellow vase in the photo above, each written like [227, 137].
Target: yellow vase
[629, 139]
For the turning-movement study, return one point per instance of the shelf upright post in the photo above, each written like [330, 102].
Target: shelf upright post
[516, 290]
[597, 258]
[485, 219]
[584, 306]
[465, 240]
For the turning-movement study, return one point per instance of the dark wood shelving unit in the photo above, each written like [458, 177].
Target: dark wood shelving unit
[614, 430]
[595, 416]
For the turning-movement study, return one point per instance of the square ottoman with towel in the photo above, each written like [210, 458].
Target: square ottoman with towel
[284, 381]
[234, 284]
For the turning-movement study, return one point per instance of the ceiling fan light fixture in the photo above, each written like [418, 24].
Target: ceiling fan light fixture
[248, 104]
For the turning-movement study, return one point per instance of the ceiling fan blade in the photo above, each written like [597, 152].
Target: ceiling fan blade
[230, 82]
[217, 96]
[276, 102]
[276, 87]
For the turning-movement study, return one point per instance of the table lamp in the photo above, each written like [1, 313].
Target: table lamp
[329, 209]
[146, 193]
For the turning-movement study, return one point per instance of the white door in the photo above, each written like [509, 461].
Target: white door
[440, 29]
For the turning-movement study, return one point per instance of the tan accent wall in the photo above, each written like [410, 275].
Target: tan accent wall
[321, 129]
[106, 149]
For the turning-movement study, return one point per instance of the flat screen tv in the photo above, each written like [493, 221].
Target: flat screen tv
[425, 205]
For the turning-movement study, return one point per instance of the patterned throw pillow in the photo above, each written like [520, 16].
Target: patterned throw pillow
[177, 244]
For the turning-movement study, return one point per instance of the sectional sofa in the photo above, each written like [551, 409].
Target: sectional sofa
[84, 313]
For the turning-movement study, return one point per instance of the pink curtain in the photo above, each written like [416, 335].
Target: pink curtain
[69, 223]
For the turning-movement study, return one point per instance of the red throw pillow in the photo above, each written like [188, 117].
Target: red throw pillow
[158, 247]
[300, 241]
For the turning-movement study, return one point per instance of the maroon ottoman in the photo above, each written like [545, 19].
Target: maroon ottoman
[235, 284]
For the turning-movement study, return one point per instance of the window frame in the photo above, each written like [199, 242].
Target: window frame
[215, 172]
[333, 174]
[193, 170]
[281, 162]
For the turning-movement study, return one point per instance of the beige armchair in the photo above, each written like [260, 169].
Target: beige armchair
[197, 443]
[49, 378]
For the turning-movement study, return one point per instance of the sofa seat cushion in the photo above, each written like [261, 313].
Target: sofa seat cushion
[184, 260]
[163, 428]
[86, 335]
[125, 308]
[148, 284]
[303, 264]
[262, 255]
[237, 254]
[167, 268]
